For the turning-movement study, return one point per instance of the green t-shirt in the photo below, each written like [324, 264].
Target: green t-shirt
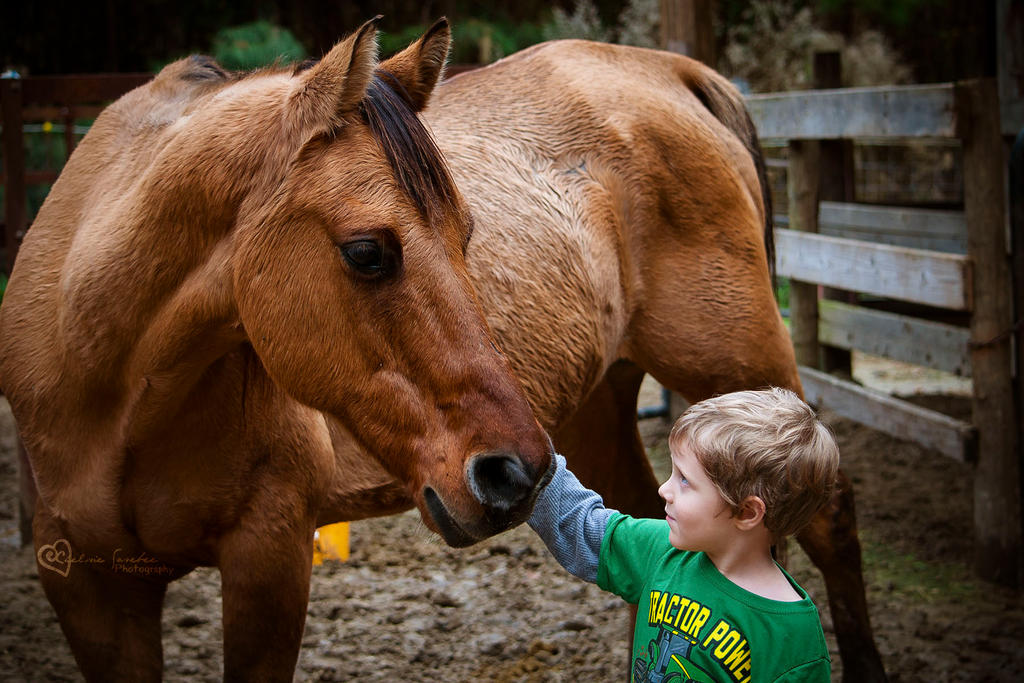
[694, 624]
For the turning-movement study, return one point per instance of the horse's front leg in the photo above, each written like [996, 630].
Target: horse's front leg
[265, 566]
[108, 606]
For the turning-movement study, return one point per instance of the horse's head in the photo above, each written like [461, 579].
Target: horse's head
[351, 284]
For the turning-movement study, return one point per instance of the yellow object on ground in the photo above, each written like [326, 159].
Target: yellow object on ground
[330, 543]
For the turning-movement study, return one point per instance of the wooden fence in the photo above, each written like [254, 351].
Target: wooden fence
[945, 262]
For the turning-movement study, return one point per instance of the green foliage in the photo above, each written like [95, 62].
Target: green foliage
[251, 46]
[3, 286]
[392, 42]
[44, 149]
[474, 41]
[44, 146]
[584, 22]
[639, 24]
[782, 292]
[484, 40]
[771, 46]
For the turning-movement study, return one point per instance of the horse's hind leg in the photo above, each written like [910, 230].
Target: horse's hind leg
[603, 448]
[111, 621]
[830, 540]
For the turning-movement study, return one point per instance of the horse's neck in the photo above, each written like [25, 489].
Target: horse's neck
[195, 326]
[134, 317]
[145, 298]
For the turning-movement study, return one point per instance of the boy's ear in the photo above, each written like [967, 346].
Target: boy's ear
[751, 513]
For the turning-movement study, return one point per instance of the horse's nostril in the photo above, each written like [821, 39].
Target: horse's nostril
[499, 480]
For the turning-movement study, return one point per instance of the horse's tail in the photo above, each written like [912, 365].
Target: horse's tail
[725, 103]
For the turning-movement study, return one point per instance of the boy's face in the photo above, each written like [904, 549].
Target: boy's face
[698, 517]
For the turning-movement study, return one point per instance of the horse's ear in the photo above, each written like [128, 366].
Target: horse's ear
[419, 67]
[337, 84]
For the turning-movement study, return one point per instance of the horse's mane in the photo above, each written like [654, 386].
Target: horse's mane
[204, 68]
[410, 149]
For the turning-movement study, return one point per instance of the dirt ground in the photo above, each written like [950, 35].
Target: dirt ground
[406, 607]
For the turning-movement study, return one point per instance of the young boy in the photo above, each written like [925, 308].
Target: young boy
[747, 468]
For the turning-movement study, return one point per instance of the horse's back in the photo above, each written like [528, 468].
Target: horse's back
[619, 215]
[633, 107]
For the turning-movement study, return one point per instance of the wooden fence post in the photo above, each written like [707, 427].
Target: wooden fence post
[686, 28]
[836, 185]
[997, 481]
[14, 167]
[1017, 253]
[802, 188]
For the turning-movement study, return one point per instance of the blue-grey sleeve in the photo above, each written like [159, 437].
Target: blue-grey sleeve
[571, 520]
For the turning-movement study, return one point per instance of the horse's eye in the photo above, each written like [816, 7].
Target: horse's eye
[365, 256]
[369, 257]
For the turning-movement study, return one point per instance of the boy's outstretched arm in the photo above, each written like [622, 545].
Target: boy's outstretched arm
[571, 520]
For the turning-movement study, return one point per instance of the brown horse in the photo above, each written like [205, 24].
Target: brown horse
[231, 276]
[619, 226]
[623, 226]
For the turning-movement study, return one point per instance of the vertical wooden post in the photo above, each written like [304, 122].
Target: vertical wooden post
[1017, 274]
[14, 167]
[1009, 63]
[836, 184]
[997, 499]
[704, 32]
[687, 27]
[802, 190]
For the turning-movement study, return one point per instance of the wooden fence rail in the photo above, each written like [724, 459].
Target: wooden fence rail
[916, 275]
[954, 261]
[903, 112]
[935, 230]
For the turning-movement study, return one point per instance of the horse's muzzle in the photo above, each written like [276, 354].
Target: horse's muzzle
[499, 481]
[505, 488]
[449, 529]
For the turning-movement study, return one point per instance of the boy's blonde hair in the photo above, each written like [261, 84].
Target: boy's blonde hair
[767, 444]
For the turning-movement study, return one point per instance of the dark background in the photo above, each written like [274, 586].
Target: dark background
[942, 40]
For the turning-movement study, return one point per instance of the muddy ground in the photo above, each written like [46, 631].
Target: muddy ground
[407, 608]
